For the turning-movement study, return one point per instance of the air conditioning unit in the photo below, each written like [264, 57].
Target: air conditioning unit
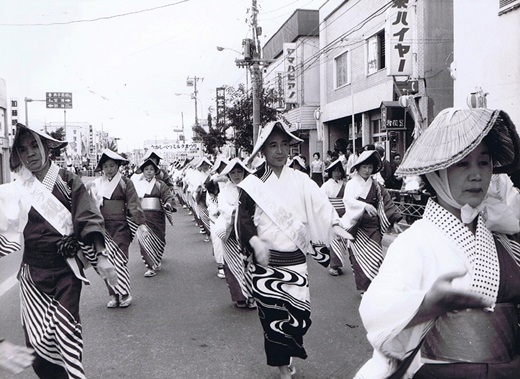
[506, 6]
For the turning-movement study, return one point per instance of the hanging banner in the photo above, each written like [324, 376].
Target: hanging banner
[290, 65]
[399, 26]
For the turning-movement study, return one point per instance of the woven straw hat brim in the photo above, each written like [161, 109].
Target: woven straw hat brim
[220, 164]
[368, 156]
[203, 160]
[109, 154]
[333, 164]
[52, 143]
[298, 160]
[152, 155]
[266, 131]
[146, 163]
[454, 133]
[232, 164]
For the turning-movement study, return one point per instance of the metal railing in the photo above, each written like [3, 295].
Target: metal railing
[411, 204]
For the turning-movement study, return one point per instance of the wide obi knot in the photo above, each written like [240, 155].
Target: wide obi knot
[474, 335]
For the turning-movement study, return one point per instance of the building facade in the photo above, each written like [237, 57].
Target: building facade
[293, 71]
[372, 53]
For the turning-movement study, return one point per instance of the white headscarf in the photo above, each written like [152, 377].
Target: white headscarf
[500, 207]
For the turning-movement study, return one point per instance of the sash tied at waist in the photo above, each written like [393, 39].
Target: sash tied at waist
[151, 204]
[474, 335]
[286, 258]
[46, 260]
[114, 210]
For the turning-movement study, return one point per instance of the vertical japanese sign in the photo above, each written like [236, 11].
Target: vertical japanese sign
[290, 64]
[221, 106]
[399, 24]
[279, 84]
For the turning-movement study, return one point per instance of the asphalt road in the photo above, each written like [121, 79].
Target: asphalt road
[182, 323]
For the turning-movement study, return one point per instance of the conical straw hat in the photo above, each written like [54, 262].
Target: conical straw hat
[14, 159]
[266, 131]
[368, 156]
[233, 163]
[454, 133]
[109, 154]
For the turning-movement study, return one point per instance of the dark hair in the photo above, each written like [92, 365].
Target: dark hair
[340, 145]
[318, 154]
[374, 160]
[341, 169]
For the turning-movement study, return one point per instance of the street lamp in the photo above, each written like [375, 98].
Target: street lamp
[220, 48]
[27, 100]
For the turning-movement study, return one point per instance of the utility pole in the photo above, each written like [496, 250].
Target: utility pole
[256, 74]
[253, 61]
[193, 82]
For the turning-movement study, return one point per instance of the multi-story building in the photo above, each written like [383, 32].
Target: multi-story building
[486, 58]
[293, 70]
[77, 134]
[371, 53]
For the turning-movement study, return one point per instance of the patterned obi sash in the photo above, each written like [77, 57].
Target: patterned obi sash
[286, 258]
[114, 210]
[151, 204]
[339, 206]
[474, 335]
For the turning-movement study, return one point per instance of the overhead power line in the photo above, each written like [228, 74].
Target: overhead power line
[100, 18]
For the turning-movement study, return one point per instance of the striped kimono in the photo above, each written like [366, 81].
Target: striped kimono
[335, 191]
[152, 247]
[366, 252]
[292, 215]
[238, 276]
[121, 209]
[50, 284]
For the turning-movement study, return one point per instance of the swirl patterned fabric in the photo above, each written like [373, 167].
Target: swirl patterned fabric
[282, 297]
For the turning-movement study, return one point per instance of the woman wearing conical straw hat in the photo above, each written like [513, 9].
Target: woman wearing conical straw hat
[238, 277]
[157, 203]
[49, 209]
[119, 204]
[369, 212]
[334, 188]
[445, 301]
[282, 216]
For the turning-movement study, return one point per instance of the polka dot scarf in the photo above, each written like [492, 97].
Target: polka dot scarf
[479, 250]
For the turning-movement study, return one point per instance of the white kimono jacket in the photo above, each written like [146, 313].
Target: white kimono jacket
[414, 261]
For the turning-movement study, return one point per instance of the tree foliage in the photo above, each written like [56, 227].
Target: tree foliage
[58, 134]
[239, 113]
[214, 138]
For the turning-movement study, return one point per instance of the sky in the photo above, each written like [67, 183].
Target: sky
[124, 61]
